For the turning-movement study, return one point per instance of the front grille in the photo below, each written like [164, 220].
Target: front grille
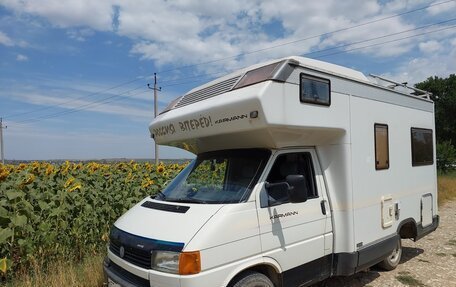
[137, 257]
[137, 249]
[208, 92]
[127, 276]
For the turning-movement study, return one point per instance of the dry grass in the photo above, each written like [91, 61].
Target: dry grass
[447, 188]
[88, 273]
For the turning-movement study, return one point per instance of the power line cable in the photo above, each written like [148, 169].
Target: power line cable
[380, 37]
[364, 47]
[72, 100]
[307, 38]
[80, 107]
[34, 120]
[331, 48]
[387, 42]
[189, 77]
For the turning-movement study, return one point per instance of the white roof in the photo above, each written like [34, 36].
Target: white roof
[305, 62]
[329, 68]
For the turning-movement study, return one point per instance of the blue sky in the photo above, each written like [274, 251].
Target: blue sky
[74, 74]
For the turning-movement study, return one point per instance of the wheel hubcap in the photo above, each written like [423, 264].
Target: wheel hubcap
[395, 255]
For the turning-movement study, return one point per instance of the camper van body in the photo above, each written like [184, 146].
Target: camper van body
[371, 173]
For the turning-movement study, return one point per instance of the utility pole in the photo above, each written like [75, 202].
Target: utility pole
[1, 140]
[156, 89]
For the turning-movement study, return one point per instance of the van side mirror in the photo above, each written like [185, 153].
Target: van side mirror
[295, 188]
[278, 188]
[298, 188]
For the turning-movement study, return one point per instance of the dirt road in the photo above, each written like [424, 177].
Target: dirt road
[430, 261]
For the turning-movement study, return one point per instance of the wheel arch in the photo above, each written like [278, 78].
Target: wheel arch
[407, 228]
[267, 266]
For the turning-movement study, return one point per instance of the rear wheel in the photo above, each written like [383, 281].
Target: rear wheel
[391, 262]
[253, 279]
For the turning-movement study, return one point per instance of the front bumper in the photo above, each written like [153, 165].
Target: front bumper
[128, 275]
[121, 276]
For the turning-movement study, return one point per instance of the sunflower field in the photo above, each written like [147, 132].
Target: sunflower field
[52, 211]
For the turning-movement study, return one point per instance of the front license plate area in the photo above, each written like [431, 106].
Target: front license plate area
[111, 283]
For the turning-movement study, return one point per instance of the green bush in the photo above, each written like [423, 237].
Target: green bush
[446, 157]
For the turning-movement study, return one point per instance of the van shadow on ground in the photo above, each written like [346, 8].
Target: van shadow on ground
[363, 278]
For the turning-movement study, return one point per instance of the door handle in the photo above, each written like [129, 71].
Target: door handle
[323, 207]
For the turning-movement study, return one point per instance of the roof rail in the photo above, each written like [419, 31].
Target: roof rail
[416, 92]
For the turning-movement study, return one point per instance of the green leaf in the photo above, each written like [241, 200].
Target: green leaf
[21, 242]
[14, 194]
[3, 212]
[44, 227]
[19, 220]
[5, 233]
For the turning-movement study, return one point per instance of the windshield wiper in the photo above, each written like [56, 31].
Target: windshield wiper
[159, 193]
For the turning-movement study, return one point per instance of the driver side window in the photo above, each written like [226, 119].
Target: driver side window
[291, 164]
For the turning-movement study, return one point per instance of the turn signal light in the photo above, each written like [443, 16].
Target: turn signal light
[189, 263]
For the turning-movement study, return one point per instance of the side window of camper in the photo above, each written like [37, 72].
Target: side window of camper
[381, 146]
[292, 164]
[422, 147]
[315, 90]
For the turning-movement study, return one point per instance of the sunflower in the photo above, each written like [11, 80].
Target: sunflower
[147, 182]
[4, 174]
[3, 265]
[49, 170]
[69, 182]
[76, 186]
[29, 179]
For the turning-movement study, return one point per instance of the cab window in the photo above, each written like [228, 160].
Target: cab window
[292, 164]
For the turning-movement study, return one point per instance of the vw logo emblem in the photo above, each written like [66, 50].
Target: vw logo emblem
[122, 251]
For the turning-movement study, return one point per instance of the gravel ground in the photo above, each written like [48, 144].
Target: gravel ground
[431, 261]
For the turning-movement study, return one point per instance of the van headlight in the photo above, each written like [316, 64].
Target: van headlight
[165, 261]
[183, 263]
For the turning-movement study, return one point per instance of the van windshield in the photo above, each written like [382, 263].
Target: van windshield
[217, 177]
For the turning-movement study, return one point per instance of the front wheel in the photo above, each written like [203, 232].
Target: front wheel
[253, 279]
[391, 262]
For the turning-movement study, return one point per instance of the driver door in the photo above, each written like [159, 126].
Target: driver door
[294, 234]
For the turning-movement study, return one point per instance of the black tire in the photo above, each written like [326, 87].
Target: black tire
[252, 279]
[391, 262]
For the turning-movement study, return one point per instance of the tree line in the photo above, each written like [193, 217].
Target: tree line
[444, 96]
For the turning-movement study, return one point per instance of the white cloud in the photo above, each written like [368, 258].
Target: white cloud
[449, 7]
[398, 6]
[420, 68]
[184, 32]
[187, 32]
[95, 14]
[430, 46]
[21, 58]
[5, 40]
[80, 34]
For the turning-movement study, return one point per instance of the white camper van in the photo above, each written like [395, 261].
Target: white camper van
[304, 170]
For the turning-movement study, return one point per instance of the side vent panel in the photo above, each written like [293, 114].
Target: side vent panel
[208, 92]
